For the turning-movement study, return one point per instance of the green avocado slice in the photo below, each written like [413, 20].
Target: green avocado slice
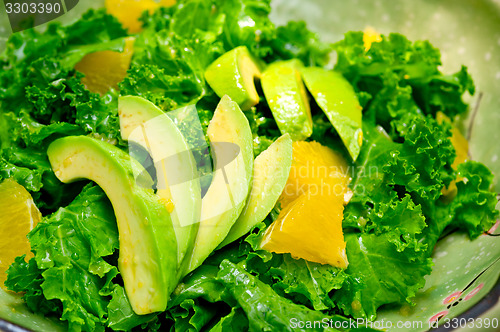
[287, 98]
[178, 183]
[226, 196]
[233, 74]
[336, 97]
[271, 169]
[148, 247]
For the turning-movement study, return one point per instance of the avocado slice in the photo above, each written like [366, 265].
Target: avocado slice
[148, 247]
[271, 169]
[287, 98]
[178, 182]
[233, 74]
[226, 196]
[336, 97]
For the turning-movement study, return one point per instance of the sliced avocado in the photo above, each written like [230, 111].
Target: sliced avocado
[148, 247]
[226, 196]
[178, 185]
[233, 74]
[271, 169]
[287, 98]
[336, 97]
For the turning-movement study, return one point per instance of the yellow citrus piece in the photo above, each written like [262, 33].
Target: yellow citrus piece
[309, 225]
[312, 165]
[128, 12]
[461, 146]
[310, 228]
[19, 216]
[370, 35]
[105, 69]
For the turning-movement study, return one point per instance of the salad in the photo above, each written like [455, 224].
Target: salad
[302, 196]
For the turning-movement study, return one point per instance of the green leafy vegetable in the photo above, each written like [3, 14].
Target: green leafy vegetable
[265, 309]
[472, 210]
[382, 275]
[397, 207]
[42, 98]
[27, 277]
[402, 75]
[294, 40]
[73, 274]
[307, 282]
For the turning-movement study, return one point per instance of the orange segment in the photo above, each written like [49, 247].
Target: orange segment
[105, 69]
[312, 164]
[370, 35]
[19, 216]
[309, 225]
[310, 228]
[461, 146]
[128, 12]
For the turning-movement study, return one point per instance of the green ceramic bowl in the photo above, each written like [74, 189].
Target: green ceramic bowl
[463, 289]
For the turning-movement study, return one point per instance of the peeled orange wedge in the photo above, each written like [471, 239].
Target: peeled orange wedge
[105, 69]
[19, 216]
[309, 226]
[315, 168]
[128, 12]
